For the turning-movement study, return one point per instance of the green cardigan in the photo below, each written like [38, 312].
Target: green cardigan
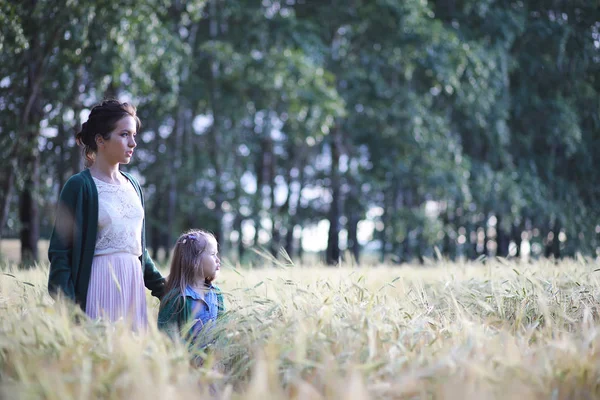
[73, 241]
[176, 313]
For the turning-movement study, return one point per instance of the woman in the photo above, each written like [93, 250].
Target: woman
[97, 251]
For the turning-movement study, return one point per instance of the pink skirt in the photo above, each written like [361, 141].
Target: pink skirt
[116, 290]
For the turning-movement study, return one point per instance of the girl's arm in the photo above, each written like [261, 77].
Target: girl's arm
[60, 250]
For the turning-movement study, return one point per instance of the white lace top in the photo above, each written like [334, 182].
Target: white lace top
[120, 218]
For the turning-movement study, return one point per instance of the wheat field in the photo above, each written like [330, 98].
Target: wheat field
[498, 330]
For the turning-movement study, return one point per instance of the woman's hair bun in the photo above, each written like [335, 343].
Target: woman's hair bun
[84, 137]
[102, 121]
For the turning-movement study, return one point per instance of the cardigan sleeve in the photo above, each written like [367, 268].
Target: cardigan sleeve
[220, 302]
[60, 249]
[152, 277]
[174, 313]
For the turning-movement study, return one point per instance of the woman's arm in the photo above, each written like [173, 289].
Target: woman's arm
[152, 278]
[60, 250]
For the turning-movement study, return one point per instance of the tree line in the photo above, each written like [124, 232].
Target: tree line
[456, 127]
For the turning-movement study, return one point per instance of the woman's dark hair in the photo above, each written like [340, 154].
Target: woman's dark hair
[102, 121]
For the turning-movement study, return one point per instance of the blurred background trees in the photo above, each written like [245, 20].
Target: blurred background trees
[395, 128]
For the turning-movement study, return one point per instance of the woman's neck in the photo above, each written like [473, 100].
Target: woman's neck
[106, 172]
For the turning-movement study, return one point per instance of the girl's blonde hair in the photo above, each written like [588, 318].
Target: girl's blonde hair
[186, 262]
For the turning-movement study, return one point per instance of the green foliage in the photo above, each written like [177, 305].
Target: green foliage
[479, 108]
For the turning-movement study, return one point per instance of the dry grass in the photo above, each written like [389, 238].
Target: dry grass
[10, 250]
[494, 331]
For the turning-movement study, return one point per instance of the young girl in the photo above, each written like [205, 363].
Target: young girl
[97, 251]
[192, 302]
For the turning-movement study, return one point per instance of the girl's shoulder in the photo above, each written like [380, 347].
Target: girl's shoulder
[170, 303]
[172, 296]
[173, 310]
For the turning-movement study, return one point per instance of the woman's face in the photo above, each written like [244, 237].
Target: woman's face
[118, 149]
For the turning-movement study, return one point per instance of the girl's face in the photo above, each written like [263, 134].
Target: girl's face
[119, 148]
[210, 261]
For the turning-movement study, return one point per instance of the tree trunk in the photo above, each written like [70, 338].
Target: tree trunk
[172, 186]
[486, 238]
[237, 226]
[502, 239]
[472, 241]
[405, 198]
[275, 239]
[448, 247]
[353, 212]
[166, 241]
[300, 246]
[75, 156]
[333, 241]
[552, 244]
[548, 244]
[29, 162]
[61, 168]
[274, 212]
[29, 213]
[516, 237]
[294, 209]
[289, 239]
[25, 152]
[420, 247]
[7, 185]
[353, 244]
[214, 132]
[155, 233]
[405, 251]
[387, 223]
[556, 242]
[262, 176]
